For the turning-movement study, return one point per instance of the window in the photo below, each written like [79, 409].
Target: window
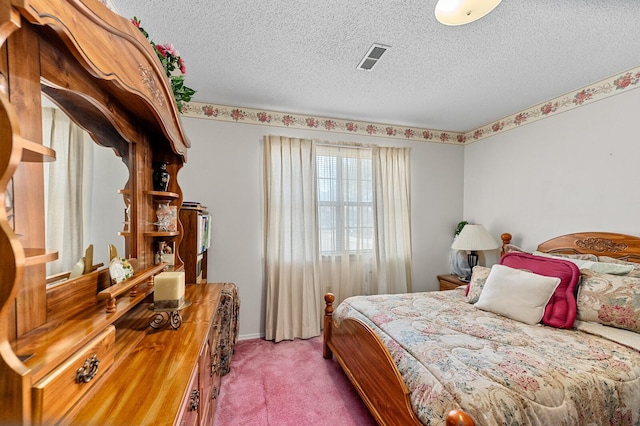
[339, 247]
[345, 199]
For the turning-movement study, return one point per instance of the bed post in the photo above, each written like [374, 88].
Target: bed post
[506, 239]
[459, 418]
[328, 316]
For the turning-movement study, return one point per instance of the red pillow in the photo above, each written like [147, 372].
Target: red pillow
[561, 309]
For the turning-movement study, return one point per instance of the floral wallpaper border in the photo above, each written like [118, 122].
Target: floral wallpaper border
[309, 122]
[602, 89]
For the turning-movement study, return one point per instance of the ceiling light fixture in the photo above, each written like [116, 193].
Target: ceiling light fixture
[460, 12]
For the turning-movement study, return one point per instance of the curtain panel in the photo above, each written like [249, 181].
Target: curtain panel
[67, 184]
[294, 297]
[353, 202]
[392, 201]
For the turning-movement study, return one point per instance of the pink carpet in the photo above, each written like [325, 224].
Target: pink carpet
[287, 383]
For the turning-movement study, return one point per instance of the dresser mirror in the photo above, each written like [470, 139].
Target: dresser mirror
[82, 192]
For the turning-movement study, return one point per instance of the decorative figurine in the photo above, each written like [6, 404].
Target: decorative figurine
[161, 178]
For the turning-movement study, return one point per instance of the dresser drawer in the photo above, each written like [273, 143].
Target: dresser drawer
[190, 407]
[56, 393]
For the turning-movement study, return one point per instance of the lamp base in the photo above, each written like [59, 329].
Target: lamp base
[472, 259]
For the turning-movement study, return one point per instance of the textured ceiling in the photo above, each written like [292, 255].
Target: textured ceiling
[301, 57]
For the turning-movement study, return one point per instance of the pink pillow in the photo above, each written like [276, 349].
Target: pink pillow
[560, 312]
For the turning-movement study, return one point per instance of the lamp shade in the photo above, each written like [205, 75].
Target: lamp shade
[474, 237]
[460, 12]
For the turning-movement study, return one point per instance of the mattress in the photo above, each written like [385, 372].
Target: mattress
[500, 371]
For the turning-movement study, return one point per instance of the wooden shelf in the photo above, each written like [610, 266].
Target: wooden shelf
[163, 194]
[161, 233]
[34, 256]
[36, 153]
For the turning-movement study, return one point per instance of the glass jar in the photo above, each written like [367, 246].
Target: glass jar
[163, 215]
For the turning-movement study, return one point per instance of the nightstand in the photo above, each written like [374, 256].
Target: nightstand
[449, 282]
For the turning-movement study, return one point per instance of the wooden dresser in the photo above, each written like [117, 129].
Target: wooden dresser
[177, 368]
[170, 376]
[81, 350]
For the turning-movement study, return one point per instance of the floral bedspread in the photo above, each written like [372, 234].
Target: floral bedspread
[500, 371]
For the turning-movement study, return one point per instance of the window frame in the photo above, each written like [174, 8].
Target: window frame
[341, 202]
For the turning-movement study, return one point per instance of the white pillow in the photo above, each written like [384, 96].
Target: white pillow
[517, 294]
[601, 267]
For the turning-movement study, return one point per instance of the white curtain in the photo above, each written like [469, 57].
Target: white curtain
[66, 199]
[392, 200]
[354, 242]
[294, 299]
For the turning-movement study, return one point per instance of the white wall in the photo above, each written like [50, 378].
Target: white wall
[577, 171]
[224, 172]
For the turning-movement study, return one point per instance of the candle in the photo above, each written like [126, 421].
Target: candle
[168, 290]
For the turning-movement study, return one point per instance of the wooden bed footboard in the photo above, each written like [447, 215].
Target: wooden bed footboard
[372, 371]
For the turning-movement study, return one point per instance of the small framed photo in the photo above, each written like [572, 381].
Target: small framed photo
[165, 252]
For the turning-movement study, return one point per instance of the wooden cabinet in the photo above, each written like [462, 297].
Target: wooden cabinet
[449, 282]
[130, 373]
[195, 242]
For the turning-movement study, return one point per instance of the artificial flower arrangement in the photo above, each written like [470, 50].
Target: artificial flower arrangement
[173, 66]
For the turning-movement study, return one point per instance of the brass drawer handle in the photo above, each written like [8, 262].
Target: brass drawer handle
[195, 400]
[88, 371]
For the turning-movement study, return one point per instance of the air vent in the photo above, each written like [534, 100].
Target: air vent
[373, 55]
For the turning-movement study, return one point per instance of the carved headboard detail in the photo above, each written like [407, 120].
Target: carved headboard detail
[620, 246]
[601, 245]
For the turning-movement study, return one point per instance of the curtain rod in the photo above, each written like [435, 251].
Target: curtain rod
[345, 144]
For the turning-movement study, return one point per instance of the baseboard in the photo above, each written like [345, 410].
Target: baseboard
[251, 336]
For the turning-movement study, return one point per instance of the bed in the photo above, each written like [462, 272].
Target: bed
[436, 358]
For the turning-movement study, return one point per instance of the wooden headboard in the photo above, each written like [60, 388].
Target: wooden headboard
[619, 246]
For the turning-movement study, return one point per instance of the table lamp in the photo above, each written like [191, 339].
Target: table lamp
[473, 238]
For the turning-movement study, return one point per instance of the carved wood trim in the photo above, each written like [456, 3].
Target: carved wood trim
[601, 245]
[9, 21]
[146, 76]
[620, 246]
[81, 27]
